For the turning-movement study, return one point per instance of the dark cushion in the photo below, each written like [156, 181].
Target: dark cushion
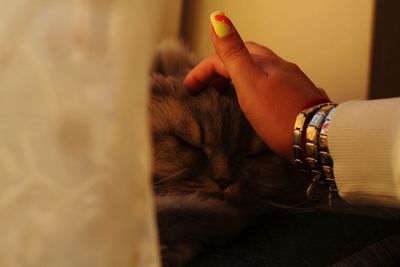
[309, 239]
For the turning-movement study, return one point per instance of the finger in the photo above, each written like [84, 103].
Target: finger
[209, 69]
[233, 53]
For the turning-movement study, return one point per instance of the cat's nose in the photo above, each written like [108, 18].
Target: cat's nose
[223, 182]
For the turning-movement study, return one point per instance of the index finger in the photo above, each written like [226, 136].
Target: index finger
[207, 70]
[211, 68]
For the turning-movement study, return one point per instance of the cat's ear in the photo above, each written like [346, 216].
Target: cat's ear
[172, 58]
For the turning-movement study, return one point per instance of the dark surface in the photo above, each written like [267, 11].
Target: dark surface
[313, 239]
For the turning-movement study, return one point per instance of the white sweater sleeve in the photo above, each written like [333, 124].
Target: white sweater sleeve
[364, 141]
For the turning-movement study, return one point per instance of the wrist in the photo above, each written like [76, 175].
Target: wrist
[288, 151]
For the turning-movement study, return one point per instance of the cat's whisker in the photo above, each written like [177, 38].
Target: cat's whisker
[159, 182]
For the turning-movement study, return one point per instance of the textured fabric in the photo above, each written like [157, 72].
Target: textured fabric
[364, 141]
[74, 147]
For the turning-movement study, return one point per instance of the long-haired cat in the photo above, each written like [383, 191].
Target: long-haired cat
[211, 172]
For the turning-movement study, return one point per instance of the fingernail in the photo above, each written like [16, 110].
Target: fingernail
[221, 24]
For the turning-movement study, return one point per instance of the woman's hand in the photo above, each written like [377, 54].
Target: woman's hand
[270, 90]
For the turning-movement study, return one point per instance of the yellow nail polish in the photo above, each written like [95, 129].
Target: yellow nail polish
[221, 24]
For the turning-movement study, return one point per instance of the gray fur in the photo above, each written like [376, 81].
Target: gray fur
[211, 172]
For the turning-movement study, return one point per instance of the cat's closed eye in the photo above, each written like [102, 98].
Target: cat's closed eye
[250, 155]
[187, 142]
[174, 156]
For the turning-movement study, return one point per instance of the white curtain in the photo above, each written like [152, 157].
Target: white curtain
[74, 147]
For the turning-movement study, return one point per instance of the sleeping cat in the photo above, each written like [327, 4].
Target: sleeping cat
[212, 173]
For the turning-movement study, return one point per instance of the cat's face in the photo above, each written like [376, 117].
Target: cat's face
[203, 145]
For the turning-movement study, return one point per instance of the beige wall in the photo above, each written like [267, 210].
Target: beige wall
[170, 19]
[330, 40]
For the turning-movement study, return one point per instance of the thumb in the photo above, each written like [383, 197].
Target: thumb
[233, 53]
